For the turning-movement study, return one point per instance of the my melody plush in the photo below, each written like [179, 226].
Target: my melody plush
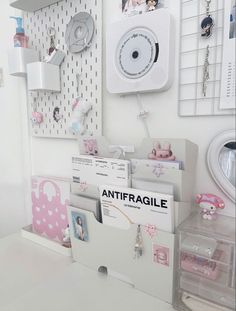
[209, 204]
[80, 110]
[161, 153]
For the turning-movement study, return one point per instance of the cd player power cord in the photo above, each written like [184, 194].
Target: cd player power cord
[143, 114]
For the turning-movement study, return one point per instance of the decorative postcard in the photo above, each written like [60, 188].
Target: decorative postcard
[80, 229]
[135, 7]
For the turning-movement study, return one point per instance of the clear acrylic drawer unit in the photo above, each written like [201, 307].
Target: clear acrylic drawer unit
[205, 264]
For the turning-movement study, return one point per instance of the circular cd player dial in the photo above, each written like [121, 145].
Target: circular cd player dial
[137, 51]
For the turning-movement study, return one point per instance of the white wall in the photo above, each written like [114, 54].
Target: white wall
[120, 124]
[12, 198]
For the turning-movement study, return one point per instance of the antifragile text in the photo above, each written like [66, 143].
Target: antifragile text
[150, 201]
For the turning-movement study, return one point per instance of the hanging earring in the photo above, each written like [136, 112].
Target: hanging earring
[206, 75]
[207, 23]
[138, 247]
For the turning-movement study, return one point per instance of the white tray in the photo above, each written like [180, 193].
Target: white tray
[27, 233]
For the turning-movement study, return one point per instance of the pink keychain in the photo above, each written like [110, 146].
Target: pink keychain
[37, 117]
[209, 204]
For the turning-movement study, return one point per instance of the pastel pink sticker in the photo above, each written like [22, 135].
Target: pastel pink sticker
[151, 230]
[83, 186]
[161, 255]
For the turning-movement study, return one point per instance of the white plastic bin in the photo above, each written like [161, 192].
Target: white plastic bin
[43, 76]
[18, 58]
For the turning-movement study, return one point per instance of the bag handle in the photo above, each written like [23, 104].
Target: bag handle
[42, 184]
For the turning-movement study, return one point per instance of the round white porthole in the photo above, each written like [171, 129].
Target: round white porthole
[137, 51]
[79, 32]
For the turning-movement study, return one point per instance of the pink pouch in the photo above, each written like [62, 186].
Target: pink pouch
[49, 210]
[201, 266]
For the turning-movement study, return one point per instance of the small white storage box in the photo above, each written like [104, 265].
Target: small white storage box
[18, 58]
[43, 76]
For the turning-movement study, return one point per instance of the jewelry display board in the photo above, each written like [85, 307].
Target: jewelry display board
[87, 64]
[194, 63]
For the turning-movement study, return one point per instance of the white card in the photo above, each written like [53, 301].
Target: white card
[154, 164]
[97, 171]
[122, 207]
[88, 204]
[154, 186]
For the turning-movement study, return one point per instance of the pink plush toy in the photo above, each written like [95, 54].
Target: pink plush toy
[161, 153]
[209, 203]
[80, 110]
[90, 146]
[37, 117]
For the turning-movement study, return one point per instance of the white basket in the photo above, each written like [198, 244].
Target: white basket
[18, 58]
[43, 76]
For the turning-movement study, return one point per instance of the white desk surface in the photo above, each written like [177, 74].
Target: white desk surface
[33, 278]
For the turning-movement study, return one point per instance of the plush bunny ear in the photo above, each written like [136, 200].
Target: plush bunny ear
[220, 203]
[198, 198]
[166, 146]
[75, 104]
[157, 145]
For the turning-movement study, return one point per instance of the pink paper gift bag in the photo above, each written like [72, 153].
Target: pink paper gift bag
[50, 198]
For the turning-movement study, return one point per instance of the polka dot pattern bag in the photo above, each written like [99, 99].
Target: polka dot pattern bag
[50, 199]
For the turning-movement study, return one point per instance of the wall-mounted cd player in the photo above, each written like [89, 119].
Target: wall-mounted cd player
[140, 53]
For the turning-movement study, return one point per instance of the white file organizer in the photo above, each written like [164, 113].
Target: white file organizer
[183, 180]
[114, 248]
[181, 209]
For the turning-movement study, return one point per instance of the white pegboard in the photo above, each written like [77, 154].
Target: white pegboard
[88, 63]
[192, 56]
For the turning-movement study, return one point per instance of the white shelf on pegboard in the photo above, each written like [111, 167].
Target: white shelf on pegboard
[18, 58]
[31, 6]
